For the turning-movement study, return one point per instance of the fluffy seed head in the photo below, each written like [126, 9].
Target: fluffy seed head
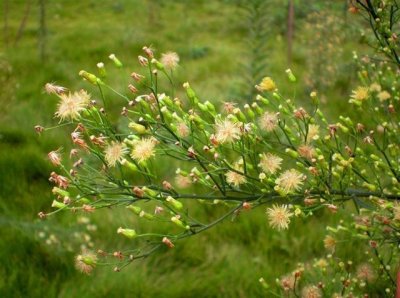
[306, 151]
[227, 131]
[289, 181]
[360, 94]
[313, 131]
[311, 292]
[114, 153]
[375, 87]
[270, 163]
[288, 282]
[182, 130]
[170, 60]
[235, 178]
[396, 212]
[384, 95]
[330, 243]
[143, 149]
[72, 104]
[365, 272]
[279, 217]
[268, 121]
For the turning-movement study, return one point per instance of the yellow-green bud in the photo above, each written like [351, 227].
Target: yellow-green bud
[346, 120]
[190, 94]
[84, 200]
[146, 215]
[88, 259]
[91, 78]
[181, 172]
[116, 61]
[135, 209]
[262, 99]
[167, 101]
[140, 129]
[276, 95]
[58, 205]
[60, 192]
[128, 233]
[157, 64]
[249, 112]
[291, 153]
[257, 108]
[290, 75]
[263, 283]
[202, 107]
[370, 186]
[129, 165]
[150, 192]
[342, 127]
[174, 203]
[166, 113]
[374, 157]
[314, 98]
[179, 223]
[210, 107]
[101, 69]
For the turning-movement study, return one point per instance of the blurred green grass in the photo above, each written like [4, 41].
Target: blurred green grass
[208, 35]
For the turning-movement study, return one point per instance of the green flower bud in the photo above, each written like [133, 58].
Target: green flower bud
[146, 215]
[202, 107]
[177, 117]
[134, 209]
[262, 99]
[190, 94]
[249, 112]
[276, 96]
[342, 127]
[84, 200]
[167, 101]
[257, 108]
[314, 98]
[140, 129]
[332, 229]
[88, 259]
[58, 205]
[179, 223]
[166, 113]
[128, 233]
[181, 172]
[370, 186]
[157, 64]
[290, 75]
[174, 203]
[150, 192]
[374, 157]
[211, 107]
[61, 192]
[346, 120]
[91, 78]
[263, 283]
[291, 153]
[129, 165]
[101, 69]
[116, 61]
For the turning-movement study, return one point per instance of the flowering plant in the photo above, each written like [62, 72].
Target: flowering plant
[271, 151]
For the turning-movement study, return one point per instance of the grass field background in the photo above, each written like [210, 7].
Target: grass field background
[212, 39]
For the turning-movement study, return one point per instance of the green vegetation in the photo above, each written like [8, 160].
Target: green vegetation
[209, 37]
